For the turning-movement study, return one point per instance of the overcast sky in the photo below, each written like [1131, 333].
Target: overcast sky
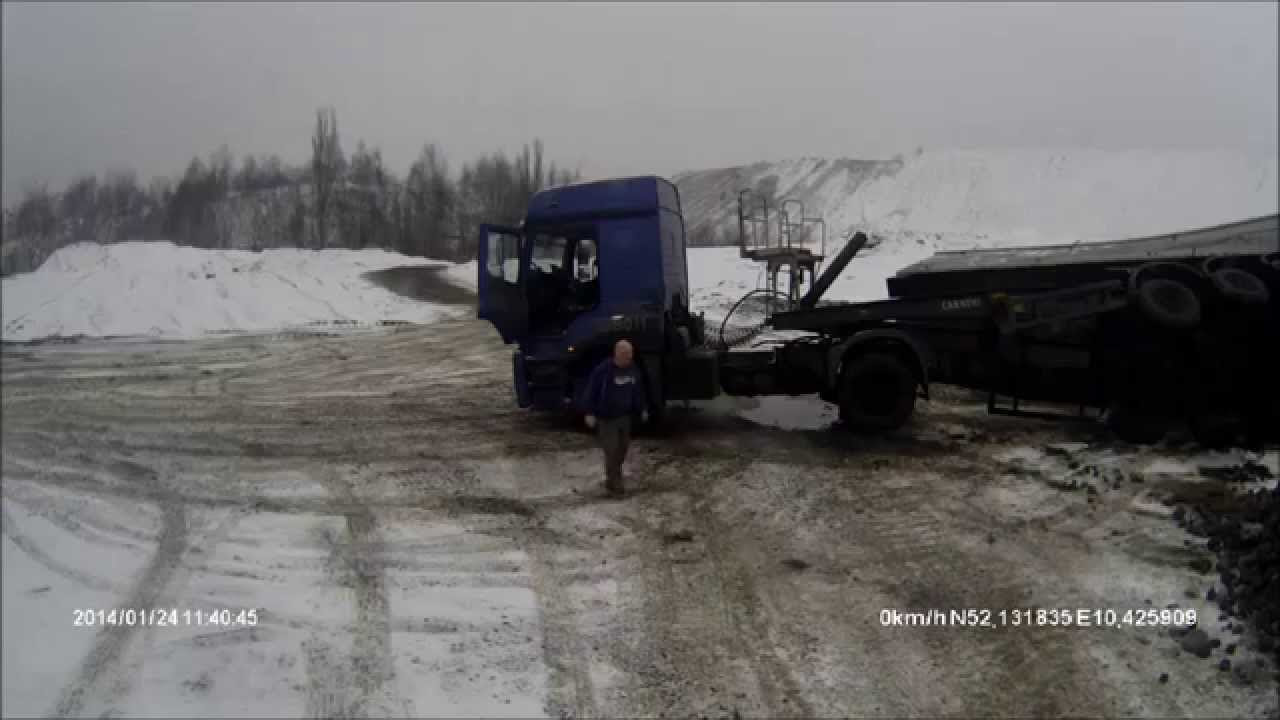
[621, 89]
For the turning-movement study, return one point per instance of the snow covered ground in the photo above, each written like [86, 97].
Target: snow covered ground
[164, 290]
[416, 546]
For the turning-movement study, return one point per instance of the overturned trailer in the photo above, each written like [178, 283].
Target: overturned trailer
[1052, 266]
[1145, 332]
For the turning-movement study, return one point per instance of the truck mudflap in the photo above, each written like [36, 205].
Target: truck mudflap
[521, 376]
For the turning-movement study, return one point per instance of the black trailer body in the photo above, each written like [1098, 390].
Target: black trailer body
[1055, 266]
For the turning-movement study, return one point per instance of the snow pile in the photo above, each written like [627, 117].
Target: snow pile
[164, 290]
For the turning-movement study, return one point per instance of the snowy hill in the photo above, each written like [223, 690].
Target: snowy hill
[999, 197]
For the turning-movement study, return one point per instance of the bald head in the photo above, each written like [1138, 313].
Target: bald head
[622, 353]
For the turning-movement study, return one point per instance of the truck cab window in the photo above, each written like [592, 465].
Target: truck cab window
[585, 285]
[584, 261]
[503, 257]
[548, 277]
[562, 278]
[548, 253]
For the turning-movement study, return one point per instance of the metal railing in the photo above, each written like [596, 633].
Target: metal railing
[794, 233]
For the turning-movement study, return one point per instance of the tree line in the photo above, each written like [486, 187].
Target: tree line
[332, 201]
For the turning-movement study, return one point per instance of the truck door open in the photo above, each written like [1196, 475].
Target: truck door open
[500, 286]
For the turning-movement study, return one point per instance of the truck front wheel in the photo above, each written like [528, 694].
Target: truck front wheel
[877, 393]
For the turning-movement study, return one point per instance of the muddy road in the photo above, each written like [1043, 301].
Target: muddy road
[342, 484]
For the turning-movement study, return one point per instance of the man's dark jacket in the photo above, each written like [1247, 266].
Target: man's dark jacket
[613, 392]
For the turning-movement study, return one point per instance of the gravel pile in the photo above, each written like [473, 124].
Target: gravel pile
[1246, 539]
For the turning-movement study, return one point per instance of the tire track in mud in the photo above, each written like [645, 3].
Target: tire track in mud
[905, 538]
[102, 678]
[917, 545]
[358, 687]
[738, 646]
[112, 640]
[442, 501]
[93, 527]
[37, 553]
[751, 613]
[571, 693]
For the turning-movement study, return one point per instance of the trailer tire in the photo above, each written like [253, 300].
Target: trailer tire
[877, 393]
[1240, 285]
[1169, 303]
[1132, 425]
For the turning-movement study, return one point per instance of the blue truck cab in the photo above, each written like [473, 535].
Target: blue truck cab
[590, 264]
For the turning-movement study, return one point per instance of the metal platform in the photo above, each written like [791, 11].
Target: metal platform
[783, 238]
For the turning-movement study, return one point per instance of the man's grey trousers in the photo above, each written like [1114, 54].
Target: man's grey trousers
[614, 435]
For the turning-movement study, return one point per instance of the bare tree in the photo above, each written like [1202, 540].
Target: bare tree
[34, 230]
[367, 220]
[326, 170]
[78, 208]
[539, 181]
[247, 180]
[429, 203]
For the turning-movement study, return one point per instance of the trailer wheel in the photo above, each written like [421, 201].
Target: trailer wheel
[1169, 303]
[1132, 425]
[1240, 285]
[877, 393]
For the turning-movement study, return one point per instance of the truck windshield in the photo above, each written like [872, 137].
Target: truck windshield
[563, 280]
[548, 252]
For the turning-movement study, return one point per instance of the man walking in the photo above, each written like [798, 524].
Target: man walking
[614, 392]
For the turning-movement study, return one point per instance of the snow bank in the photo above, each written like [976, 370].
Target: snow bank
[164, 290]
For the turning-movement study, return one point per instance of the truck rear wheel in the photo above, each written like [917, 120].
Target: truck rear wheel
[877, 393]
